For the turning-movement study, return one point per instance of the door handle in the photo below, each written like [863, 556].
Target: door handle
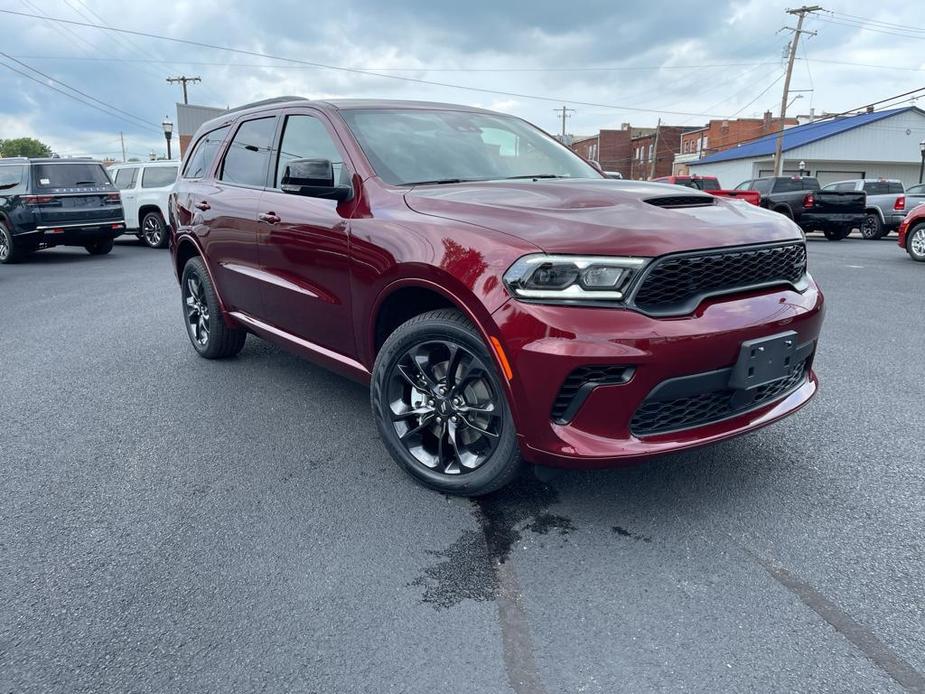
[203, 206]
[269, 217]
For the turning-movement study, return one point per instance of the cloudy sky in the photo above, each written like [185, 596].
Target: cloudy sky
[611, 61]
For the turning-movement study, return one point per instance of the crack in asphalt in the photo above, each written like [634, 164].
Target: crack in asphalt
[856, 633]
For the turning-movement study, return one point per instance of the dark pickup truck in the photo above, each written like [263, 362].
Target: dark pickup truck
[799, 197]
[56, 202]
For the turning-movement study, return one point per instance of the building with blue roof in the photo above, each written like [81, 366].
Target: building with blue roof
[875, 144]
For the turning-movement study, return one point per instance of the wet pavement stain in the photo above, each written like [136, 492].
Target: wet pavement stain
[623, 532]
[469, 568]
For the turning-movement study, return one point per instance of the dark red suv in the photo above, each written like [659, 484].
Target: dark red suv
[504, 300]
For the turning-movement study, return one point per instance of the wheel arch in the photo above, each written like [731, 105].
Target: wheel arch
[147, 208]
[187, 249]
[784, 209]
[877, 211]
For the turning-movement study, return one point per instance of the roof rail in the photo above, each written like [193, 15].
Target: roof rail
[267, 102]
[10, 160]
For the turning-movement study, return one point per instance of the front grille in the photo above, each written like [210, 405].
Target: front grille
[676, 284]
[656, 416]
[578, 384]
[676, 201]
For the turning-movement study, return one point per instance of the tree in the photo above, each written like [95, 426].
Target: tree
[24, 147]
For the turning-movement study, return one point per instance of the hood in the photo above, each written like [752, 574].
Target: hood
[602, 217]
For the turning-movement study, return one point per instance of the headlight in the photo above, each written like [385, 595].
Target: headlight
[571, 277]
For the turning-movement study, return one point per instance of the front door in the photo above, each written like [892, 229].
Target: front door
[305, 243]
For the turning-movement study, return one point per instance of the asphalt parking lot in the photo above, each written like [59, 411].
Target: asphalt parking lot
[173, 524]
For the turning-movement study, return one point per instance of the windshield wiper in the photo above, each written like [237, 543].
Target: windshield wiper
[440, 181]
[512, 178]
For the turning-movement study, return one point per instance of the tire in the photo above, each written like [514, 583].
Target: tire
[461, 439]
[872, 226]
[836, 234]
[10, 251]
[205, 327]
[915, 243]
[154, 231]
[102, 247]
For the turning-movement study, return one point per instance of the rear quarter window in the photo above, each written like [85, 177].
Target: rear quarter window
[69, 175]
[158, 176]
[12, 179]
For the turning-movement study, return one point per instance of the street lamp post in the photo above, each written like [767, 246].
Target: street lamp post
[168, 133]
[922, 165]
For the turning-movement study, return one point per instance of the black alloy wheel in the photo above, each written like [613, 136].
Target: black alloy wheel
[8, 251]
[872, 227]
[154, 230]
[440, 407]
[211, 337]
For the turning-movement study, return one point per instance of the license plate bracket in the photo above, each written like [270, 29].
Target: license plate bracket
[763, 360]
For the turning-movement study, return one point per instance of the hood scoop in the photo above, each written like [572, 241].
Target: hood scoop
[679, 201]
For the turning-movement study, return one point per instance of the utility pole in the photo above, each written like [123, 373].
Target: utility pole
[658, 130]
[122, 137]
[800, 12]
[183, 79]
[563, 114]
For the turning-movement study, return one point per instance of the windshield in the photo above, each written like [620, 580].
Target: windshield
[69, 175]
[417, 146]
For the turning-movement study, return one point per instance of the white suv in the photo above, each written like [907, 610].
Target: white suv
[145, 188]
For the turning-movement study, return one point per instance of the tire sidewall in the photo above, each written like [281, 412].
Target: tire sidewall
[484, 478]
[919, 230]
[875, 227]
[196, 267]
[11, 255]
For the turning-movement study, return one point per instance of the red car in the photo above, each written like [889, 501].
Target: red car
[711, 185]
[912, 233]
[503, 299]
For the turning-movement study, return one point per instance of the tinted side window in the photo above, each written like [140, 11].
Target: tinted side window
[896, 187]
[876, 188]
[248, 154]
[11, 179]
[305, 137]
[744, 185]
[200, 161]
[158, 176]
[763, 186]
[125, 178]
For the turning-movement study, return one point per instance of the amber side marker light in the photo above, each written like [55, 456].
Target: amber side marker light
[502, 357]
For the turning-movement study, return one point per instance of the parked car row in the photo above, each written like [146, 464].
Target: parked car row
[75, 202]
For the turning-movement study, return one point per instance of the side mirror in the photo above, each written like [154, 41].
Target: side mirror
[596, 164]
[313, 178]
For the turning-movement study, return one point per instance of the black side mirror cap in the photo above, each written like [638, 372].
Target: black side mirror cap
[314, 178]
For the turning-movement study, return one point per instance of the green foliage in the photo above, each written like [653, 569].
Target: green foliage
[24, 147]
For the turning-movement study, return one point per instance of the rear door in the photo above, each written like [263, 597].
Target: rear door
[74, 194]
[125, 178]
[231, 242]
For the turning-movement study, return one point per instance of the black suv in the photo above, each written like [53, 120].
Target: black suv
[57, 202]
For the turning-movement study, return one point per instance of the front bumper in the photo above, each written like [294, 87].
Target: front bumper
[545, 344]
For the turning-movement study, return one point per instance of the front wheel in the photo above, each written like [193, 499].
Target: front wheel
[915, 244]
[101, 247]
[210, 336]
[154, 230]
[440, 407]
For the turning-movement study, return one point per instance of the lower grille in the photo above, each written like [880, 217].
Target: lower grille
[658, 416]
[579, 385]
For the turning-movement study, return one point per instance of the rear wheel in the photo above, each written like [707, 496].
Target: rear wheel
[915, 243]
[101, 247]
[206, 329]
[154, 230]
[836, 234]
[9, 252]
[440, 407]
[872, 227]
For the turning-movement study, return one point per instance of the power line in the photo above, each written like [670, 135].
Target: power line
[867, 20]
[763, 92]
[866, 27]
[71, 96]
[339, 68]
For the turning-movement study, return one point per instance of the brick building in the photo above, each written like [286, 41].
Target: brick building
[612, 149]
[659, 148]
[719, 135]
